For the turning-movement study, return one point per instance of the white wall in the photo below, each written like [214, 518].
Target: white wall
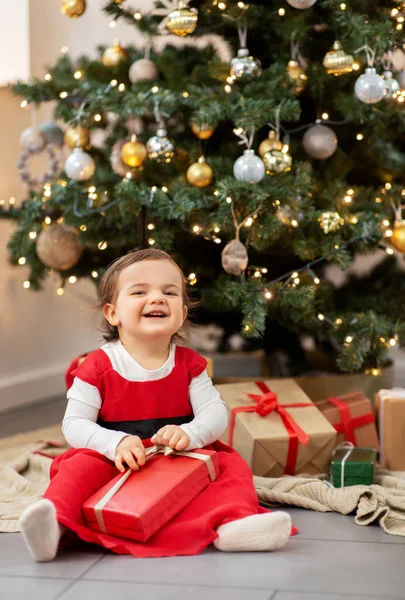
[41, 332]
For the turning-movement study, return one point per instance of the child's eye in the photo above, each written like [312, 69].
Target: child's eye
[171, 293]
[137, 293]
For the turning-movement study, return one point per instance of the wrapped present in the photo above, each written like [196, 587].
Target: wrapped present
[136, 504]
[276, 428]
[352, 466]
[390, 411]
[352, 417]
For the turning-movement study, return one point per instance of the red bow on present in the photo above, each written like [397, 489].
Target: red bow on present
[265, 405]
[348, 423]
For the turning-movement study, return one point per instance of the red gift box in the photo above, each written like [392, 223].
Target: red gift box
[136, 504]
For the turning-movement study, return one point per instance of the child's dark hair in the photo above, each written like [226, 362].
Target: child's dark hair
[107, 290]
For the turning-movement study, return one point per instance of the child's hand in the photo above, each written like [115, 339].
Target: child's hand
[173, 436]
[131, 451]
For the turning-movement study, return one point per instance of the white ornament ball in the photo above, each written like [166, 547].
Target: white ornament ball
[143, 69]
[370, 87]
[301, 3]
[32, 138]
[320, 142]
[80, 165]
[249, 167]
[52, 133]
[391, 84]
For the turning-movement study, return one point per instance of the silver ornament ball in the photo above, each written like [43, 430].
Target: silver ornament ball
[277, 161]
[369, 87]
[234, 258]
[245, 67]
[249, 167]
[32, 139]
[391, 84]
[80, 166]
[301, 3]
[320, 142]
[143, 69]
[52, 133]
[159, 147]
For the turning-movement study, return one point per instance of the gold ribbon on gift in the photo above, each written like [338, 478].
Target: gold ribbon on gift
[150, 453]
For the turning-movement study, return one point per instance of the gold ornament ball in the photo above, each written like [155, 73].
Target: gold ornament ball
[330, 221]
[277, 161]
[133, 153]
[270, 143]
[398, 236]
[114, 55]
[297, 73]
[203, 132]
[77, 136]
[73, 8]
[182, 21]
[234, 258]
[58, 247]
[200, 174]
[337, 62]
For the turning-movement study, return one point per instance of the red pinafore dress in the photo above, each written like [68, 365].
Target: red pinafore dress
[141, 408]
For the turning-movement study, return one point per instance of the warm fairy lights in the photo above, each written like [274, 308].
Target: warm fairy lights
[22, 260]
[72, 279]
[102, 245]
[26, 284]
[94, 274]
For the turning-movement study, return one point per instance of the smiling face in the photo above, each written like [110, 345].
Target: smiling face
[148, 303]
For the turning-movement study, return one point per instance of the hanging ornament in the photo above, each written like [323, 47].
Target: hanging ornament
[133, 153]
[119, 166]
[337, 62]
[391, 84]
[301, 3]
[330, 221]
[143, 69]
[114, 54]
[200, 174]
[50, 175]
[77, 136]
[32, 138]
[369, 87]
[159, 147]
[73, 8]
[277, 160]
[204, 131]
[297, 73]
[286, 215]
[52, 133]
[80, 166]
[400, 77]
[58, 247]
[183, 20]
[398, 236]
[249, 167]
[245, 67]
[320, 142]
[270, 143]
[234, 258]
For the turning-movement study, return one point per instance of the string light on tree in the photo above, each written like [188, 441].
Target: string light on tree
[330, 221]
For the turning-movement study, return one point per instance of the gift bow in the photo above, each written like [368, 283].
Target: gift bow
[348, 423]
[265, 405]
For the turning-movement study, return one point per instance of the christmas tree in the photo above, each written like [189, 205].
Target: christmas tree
[258, 143]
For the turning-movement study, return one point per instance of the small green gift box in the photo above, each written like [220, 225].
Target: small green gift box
[352, 466]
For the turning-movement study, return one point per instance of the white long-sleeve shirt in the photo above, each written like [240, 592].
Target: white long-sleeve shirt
[80, 426]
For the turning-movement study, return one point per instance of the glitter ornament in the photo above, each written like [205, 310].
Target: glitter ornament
[200, 174]
[320, 142]
[32, 138]
[249, 167]
[73, 8]
[297, 74]
[270, 143]
[182, 21]
[77, 136]
[245, 67]
[52, 133]
[203, 132]
[80, 166]
[369, 87]
[391, 84]
[398, 236]
[234, 258]
[113, 55]
[301, 3]
[330, 221]
[58, 247]
[277, 160]
[143, 69]
[159, 147]
[337, 62]
[133, 153]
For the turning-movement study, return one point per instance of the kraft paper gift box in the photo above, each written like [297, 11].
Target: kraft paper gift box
[351, 415]
[286, 439]
[136, 504]
[390, 411]
[352, 466]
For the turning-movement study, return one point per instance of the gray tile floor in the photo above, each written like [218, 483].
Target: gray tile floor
[331, 558]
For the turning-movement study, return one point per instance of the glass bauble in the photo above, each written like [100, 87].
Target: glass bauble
[159, 147]
[277, 161]
[272, 142]
[391, 84]
[245, 67]
[234, 258]
[113, 55]
[182, 21]
[73, 8]
[58, 247]
[80, 166]
[200, 174]
[143, 69]
[52, 133]
[297, 74]
[133, 153]
[204, 131]
[337, 62]
[320, 142]
[77, 136]
[119, 166]
[370, 87]
[249, 167]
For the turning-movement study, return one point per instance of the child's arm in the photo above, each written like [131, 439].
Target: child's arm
[80, 426]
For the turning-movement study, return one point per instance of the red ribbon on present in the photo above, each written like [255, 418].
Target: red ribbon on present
[265, 405]
[348, 423]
